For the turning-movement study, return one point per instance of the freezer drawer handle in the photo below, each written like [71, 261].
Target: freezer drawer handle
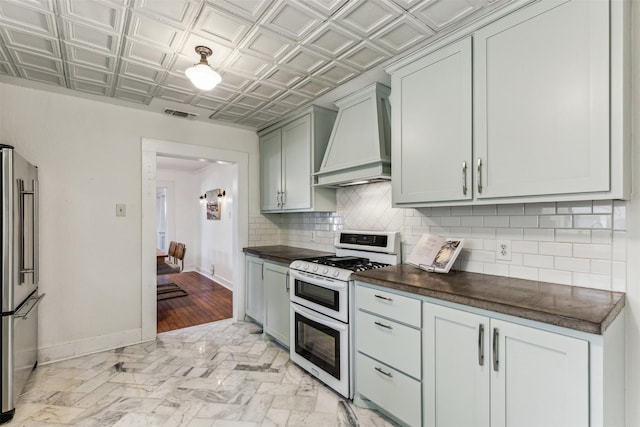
[24, 316]
[34, 235]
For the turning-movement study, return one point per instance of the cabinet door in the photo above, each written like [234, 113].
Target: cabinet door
[540, 379]
[254, 306]
[296, 163]
[541, 82]
[270, 170]
[276, 287]
[456, 367]
[432, 127]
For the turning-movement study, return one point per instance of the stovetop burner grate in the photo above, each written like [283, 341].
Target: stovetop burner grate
[350, 263]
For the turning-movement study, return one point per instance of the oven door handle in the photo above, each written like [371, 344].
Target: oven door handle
[318, 281]
[322, 320]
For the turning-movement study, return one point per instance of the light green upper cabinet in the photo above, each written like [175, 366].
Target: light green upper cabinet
[432, 121]
[290, 152]
[529, 107]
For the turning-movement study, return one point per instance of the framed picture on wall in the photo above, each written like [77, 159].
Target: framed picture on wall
[213, 207]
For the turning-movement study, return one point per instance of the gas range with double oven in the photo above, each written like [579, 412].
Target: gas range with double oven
[322, 304]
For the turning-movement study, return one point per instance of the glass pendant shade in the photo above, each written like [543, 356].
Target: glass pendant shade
[202, 75]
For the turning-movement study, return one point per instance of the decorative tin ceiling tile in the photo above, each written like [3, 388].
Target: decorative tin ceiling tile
[95, 89]
[225, 116]
[145, 54]
[175, 95]
[282, 77]
[7, 69]
[266, 116]
[41, 76]
[81, 55]
[247, 64]
[77, 72]
[264, 43]
[439, 14]
[179, 81]
[250, 102]
[176, 12]
[237, 110]
[304, 60]
[325, 7]
[336, 73]
[235, 81]
[99, 13]
[90, 37]
[364, 56]
[208, 103]
[146, 29]
[313, 87]
[407, 4]
[330, 39]
[294, 99]
[222, 94]
[22, 16]
[137, 86]
[221, 25]
[367, 16]
[252, 122]
[402, 34]
[264, 90]
[248, 9]
[133, 96]
[276, 110]
[141, 72]
[292, 19]
[33, 60]
[28, 41]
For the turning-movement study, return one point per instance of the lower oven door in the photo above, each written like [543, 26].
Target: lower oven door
[320, 345]
[321, 294]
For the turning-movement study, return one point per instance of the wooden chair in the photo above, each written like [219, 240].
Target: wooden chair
[172, 250]
[177, 264]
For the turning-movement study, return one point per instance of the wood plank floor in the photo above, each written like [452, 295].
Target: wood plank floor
[207, 302]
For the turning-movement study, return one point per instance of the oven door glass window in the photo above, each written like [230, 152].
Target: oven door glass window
[319, 344]
[325, 297]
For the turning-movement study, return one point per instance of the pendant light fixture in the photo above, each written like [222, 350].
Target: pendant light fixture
[201, 74]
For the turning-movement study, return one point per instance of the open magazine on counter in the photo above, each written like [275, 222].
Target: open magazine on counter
[435, 253]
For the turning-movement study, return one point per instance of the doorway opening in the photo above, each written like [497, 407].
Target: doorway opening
[238, 192]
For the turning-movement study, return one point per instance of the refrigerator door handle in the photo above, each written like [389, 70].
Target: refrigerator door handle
[36, 232]
[25, 315]
[23, 194]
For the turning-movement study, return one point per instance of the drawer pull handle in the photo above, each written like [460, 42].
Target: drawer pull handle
[383, 325]
[384, 298]
[496, 336]
[481, 345]
[383, 372]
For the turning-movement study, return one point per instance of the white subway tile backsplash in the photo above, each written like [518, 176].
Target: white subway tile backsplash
[496, 221]
[574, 207]
[528, 221]
[540, 234]
[524, 246]
[540, 209]
[556, 249]
[540, 261]
[592, 251]
[580, 243]
[592, 221]
[572, 264]
[522, 272]
[556, 221]
[574, 236]
[513, 209]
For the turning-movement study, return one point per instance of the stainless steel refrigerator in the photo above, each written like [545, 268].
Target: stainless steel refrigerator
[19, 270]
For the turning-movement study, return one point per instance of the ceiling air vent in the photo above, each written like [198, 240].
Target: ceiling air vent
[179, 113]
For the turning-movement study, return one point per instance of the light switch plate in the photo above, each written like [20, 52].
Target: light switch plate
[121, 209]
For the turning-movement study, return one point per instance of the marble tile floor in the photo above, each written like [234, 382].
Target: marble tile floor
[223, 373]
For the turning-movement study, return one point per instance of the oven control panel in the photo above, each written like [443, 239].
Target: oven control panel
[321, 270]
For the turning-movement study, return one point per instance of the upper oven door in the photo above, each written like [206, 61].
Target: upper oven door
[324, 295]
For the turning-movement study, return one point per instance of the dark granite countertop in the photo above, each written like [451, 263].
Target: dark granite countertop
[284, 254]
[582, 309]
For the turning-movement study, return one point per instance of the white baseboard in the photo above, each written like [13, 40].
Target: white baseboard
[221, 280]
[70, 350]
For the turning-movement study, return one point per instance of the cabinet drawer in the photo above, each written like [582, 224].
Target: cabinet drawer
[403, 309]
[393, 391]
[393, 343]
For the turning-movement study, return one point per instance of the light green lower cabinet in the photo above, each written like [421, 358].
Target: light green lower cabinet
[276, 301]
